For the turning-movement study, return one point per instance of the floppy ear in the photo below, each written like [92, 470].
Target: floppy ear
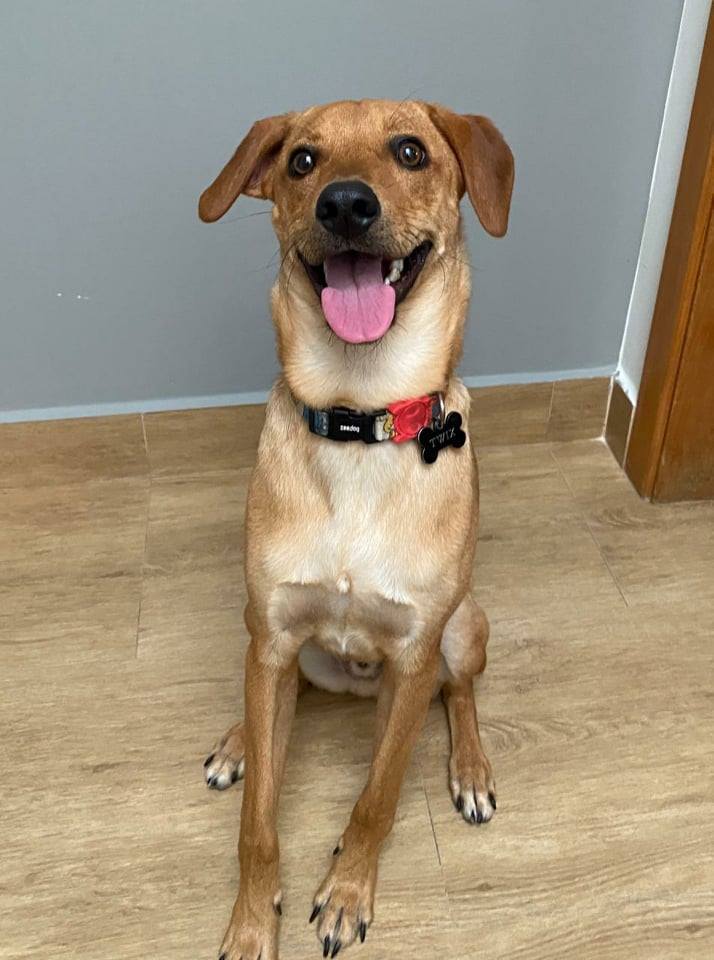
[486, 164]
[248, 170]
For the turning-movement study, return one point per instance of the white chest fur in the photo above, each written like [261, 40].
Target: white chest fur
[343, 573]
[362, 542]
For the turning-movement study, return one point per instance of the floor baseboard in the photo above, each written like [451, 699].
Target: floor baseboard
[243, 398]
[504, 414]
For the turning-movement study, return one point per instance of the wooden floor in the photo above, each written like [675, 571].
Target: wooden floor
[121, 661]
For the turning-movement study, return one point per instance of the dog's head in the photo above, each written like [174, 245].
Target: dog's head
[366, 208]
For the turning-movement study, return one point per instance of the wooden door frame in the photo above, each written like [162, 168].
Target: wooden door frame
[691, 218]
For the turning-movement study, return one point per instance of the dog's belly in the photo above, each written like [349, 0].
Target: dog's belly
[351, 631]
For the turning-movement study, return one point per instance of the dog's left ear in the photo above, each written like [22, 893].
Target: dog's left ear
[486, 164]
[248, 171]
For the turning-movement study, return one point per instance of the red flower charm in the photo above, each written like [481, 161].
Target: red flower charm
[409, 416]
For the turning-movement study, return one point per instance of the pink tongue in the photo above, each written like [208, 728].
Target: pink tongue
[357, 303]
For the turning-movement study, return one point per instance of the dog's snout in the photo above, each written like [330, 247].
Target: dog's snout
[347, 208]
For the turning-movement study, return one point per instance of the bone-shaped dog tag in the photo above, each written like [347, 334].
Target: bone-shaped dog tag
[434, 439]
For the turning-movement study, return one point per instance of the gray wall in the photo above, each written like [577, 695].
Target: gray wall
[115, 115]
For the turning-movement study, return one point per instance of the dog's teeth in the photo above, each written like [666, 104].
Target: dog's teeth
[395, 270]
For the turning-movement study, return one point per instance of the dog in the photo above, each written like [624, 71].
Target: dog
[362, 510]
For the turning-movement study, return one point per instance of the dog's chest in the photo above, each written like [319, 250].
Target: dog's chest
[363, 543]
[348, 576]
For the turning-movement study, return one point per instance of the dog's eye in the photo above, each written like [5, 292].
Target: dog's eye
[410, 153]
[302, 161]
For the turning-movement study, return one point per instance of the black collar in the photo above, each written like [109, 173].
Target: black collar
[341, 423]
[399, 421]
[422, 419]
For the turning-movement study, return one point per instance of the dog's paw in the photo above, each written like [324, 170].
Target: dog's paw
[252, 933]
[343, 904]
[226, 765]
[473, 790]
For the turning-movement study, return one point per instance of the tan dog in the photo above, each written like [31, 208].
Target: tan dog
[359, 555]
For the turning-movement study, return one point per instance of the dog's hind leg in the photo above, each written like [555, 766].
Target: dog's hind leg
[225, 765]
[463, 649]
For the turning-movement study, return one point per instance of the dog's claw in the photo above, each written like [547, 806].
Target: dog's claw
[362, 931]
[279, 909]
[326, 946]
[205, 764]
[336, 850]
[492, 800]
[459, 803]
[336, 948]
[315, 910]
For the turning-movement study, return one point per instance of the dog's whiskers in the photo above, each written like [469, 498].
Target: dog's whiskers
[290, 273]
[465, 263]
[245, 216]
[401, 104]
[443, 272]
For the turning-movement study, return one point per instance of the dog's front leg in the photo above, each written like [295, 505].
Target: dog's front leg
[344, 901]
[270, 695]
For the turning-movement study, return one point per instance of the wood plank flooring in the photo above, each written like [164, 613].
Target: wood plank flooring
[121, 642]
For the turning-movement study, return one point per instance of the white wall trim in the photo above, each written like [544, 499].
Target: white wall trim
[663, 189]
[161, 405]
[546, 376]
[629, 388]
[260, 396]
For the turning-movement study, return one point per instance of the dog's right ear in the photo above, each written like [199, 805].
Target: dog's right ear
[248, 171]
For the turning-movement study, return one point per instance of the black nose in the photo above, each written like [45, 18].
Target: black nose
[347, 208]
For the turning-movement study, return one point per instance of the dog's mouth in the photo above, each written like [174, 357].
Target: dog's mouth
[359, 292]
